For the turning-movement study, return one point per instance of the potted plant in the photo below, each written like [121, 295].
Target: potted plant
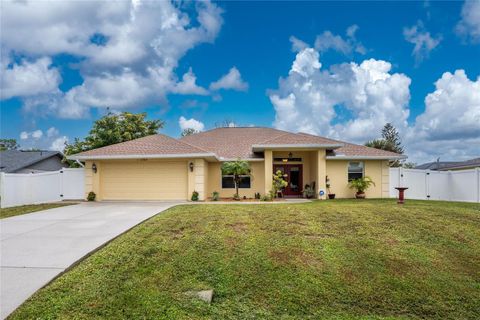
[279, 183]
[361, 184]
[308, 192]
[328, 185]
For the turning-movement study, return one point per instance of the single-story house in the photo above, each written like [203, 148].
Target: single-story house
[159, 167]
[24, 161]
[450, 165]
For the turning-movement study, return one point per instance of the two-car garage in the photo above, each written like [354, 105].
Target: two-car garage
[143, 179]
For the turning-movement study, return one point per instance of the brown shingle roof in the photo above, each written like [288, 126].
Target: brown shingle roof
[356, 150]
[232, 143]
[158, 144]
[229, 143]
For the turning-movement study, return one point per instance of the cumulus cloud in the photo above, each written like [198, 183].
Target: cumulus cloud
[313, 100]
[423, 42]
[51, 132]
[128, 50]
[190, 124]
[329, 41]
[188, 85]
[59, 143]
[232, 80]
[469, 25]
[36, 139]
[308, 99]
[28, 78]
[35, 135]
[450, 125]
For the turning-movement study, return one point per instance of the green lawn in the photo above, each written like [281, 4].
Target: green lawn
[348, 259]
[15, 211]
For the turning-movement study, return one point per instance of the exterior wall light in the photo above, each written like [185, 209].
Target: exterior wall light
[190, 165]
[94, 168]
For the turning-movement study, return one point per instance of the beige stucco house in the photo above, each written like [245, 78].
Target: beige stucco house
[159, 167]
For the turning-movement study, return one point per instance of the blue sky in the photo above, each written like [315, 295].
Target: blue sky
[66, 84]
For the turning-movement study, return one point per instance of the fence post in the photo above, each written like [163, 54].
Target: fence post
[477, 175]
[427, 184]
[2, 188]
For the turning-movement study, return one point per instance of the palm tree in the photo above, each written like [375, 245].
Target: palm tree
[237, 169]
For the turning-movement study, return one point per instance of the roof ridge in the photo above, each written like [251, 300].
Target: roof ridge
[194, 146]
[276, 137]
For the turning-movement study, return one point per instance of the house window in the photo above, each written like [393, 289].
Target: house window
[228, 183]
[355, 170]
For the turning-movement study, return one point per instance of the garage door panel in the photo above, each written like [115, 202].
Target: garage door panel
[144, 180]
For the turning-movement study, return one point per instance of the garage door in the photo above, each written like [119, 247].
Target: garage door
[144, 180]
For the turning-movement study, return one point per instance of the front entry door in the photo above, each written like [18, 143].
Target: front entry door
[294, 179]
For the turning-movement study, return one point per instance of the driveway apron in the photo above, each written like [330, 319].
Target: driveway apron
[37, 247]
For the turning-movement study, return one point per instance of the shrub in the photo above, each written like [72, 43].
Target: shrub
[361, 184]
[308, 192]
[266, 198]
[236, 196]
[194, 196]
[215, 196]
[91, 196]
[257, 195]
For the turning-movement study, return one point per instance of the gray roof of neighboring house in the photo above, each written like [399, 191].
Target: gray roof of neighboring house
[449, 165]
[14, 160]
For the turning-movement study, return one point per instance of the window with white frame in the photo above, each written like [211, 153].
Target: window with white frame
[355, 170]
[229, 183]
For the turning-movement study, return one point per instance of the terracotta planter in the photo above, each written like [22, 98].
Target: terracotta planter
[331, 196]
[360, 195]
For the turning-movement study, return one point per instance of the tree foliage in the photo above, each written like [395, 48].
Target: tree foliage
[115, 128]
[390, 141]
[8, 144]
[237, 169]
[188, 132]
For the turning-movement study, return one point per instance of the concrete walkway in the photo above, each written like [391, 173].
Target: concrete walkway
[37, 247]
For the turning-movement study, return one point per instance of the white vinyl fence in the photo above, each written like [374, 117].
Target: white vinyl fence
[462, 185]
[33, 188]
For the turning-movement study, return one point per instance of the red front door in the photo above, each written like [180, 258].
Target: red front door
[294, 179]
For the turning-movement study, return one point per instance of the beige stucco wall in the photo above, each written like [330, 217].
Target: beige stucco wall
[206, 176]
[337, 172]
[215, 181]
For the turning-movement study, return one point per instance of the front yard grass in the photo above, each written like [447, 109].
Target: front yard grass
[341, 259]
[15, 211]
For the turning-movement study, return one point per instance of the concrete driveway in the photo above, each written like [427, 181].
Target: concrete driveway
[37, 247]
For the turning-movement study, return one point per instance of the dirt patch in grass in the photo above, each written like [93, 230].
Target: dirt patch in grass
[341, 259]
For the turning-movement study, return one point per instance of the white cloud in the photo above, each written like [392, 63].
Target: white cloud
[59, 143]
[131, 63]
[23, 135]
[37, 134]
[313, 100]
[28, 78]
[232, 80]
[423, 42]
[188, 85]
[36, 139]
[52, 131]
[469, 25]
[190, 124]
[327, 40]
[450, 125]
[307, 98]
[297, 44]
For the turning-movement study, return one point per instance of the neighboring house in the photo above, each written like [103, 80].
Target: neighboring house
[18, 161]
[159, 167]
[450, 165]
